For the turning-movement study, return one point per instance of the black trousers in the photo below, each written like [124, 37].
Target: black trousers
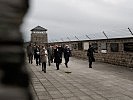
[38, 61]
[57, 66]
[66, 61]
[44, 67]
[49, 61]
[90, 62]
[30, 57]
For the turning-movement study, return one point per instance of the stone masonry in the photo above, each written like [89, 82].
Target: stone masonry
[14, 78]
[115, 54]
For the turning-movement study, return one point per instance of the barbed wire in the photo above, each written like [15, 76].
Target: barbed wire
[122, 32]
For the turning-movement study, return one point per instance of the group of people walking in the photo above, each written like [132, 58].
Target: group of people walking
[52, 54]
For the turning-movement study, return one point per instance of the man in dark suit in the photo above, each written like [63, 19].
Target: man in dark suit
[90, 55]
[57, 56]
[37, 55]
[61, 49]
[67, 54]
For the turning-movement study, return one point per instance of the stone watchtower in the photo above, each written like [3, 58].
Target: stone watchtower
[39, 36]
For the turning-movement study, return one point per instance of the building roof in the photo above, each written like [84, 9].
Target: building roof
[38, 28]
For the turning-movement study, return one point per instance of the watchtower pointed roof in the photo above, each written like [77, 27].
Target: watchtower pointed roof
[38, 28]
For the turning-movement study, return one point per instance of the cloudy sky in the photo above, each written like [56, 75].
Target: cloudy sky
[69, 18]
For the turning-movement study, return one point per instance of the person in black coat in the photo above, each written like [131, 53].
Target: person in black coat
[90, 55]
[57, 56]
[37, 55]
[61, 49]
[50, 51]
[30, 52]
[67, 54]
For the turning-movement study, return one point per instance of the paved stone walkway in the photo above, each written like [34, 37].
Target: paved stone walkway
[102, 82]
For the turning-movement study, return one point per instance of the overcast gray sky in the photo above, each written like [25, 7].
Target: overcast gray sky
[69, 18]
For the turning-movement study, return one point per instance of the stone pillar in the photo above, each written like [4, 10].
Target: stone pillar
[12, 57]
[108, 47]
[121, 47]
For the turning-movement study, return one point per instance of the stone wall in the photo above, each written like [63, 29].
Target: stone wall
[14, 78]
[117, 58]
[111, 51]
[39, 38]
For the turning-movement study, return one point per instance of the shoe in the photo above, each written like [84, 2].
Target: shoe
[66, 65]
[42, 69]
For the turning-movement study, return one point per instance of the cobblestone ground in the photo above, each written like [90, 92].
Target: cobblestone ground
[102, 82]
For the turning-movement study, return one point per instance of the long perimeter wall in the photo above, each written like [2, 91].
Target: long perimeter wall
[118, 51]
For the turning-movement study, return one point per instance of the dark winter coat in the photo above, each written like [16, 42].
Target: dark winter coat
[90, 54]
[57, 56]
[50, 52]
[37, 53]
[67, 53]
[30, 50]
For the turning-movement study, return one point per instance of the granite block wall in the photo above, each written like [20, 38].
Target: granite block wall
[116, 58]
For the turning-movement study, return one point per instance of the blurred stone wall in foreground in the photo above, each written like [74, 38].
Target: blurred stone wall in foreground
[14, 79]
